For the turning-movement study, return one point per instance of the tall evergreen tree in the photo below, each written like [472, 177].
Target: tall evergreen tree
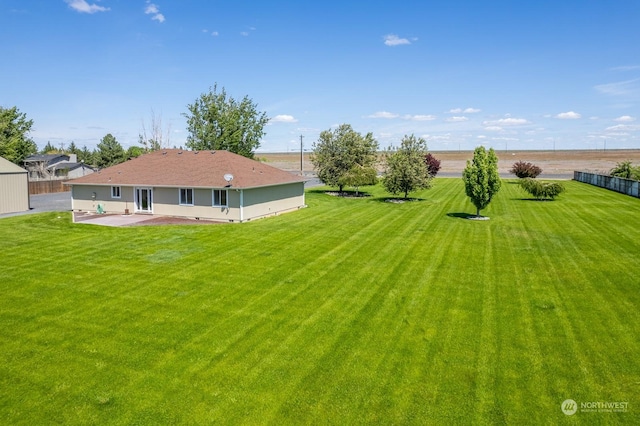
[86, 156]
[49, 149]
[109, 152]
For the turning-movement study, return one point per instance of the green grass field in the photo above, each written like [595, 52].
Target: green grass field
[351, 311]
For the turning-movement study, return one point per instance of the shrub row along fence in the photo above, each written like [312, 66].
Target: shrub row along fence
[625, 186]
[47, 186]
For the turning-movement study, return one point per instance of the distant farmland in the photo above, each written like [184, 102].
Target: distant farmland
[555, 164]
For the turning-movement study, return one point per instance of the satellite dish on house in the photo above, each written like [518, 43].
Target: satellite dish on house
[228, 177]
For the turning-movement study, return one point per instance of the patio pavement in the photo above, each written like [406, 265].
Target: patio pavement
[119, 220]
[109, 219]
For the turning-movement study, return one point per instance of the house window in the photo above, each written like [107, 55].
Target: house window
[115, 192]
[186, 196]
[220, 198]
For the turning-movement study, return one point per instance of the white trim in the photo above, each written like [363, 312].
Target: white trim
[119, 192]
[213, 198]
[150, 200]
[241, 205]
[180, 201]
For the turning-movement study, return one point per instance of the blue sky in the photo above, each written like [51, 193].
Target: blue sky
[528, 74]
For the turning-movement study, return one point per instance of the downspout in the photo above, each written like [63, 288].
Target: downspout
[241, 205]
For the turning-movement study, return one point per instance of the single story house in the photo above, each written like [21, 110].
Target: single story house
[55, 166]
[213, 185]
[14, 188]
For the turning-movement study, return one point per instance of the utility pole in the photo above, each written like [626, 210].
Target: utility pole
[301, 157]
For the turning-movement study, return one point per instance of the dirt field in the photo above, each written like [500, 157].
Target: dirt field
[554, 164]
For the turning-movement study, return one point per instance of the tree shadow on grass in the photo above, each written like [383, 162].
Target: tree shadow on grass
[461, 215]
[343, 194]
[533, 199]
[398, 200]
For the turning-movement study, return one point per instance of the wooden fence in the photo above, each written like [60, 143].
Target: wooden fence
[48, 186]
[625, 186]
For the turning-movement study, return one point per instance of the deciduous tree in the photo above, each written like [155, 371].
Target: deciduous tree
[343, 157]
[433, 164]
[542, 190]
[525, 170]
[481, 179]
[157, 137]
[626, 170]
[15, 143]
[218, 121]
[405, 167]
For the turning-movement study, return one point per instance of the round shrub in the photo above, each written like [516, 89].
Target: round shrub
[525, 170]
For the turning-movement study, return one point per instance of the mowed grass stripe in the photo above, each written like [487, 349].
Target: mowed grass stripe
[350, 311]
[374, 289]
[248, 344]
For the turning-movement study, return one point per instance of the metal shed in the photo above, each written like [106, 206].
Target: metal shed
[14, 188]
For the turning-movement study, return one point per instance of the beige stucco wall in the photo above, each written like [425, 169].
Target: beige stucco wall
[258, 202]
[82, 199]
[14, 192]
[166, 202]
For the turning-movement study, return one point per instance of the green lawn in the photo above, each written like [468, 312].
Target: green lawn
[351, 311]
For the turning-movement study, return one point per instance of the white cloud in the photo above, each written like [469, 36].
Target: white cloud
[152, 9]
[214, 33]
[83, 7]
[383, 114]
[617, 134]
[625, 119]
[284, 118]
[394, 40]
[444, 137]
[620, 88]
[420, 117]
[623, 127]
[457, 119]
[493, 128]
[509, 121]
[465, 111]
[570, 115]
[244, 33]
